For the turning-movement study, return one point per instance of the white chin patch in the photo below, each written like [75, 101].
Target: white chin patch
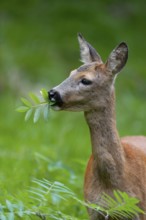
[56, 108]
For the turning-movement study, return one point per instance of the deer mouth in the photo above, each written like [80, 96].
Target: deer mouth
[54, 104]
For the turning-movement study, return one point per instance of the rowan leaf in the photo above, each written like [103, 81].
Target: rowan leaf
[22, 109]
[46, 112]
[26, 102]
[37, 114]
[34, 98]
[44, 94]
[28, 114]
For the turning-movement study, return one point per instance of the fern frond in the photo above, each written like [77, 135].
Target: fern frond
[121, 205]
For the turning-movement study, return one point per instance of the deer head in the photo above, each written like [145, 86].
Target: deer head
[90, 86]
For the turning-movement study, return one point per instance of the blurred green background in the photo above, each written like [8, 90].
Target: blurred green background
[38, 49]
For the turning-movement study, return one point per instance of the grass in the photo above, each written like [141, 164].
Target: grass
[38, 49]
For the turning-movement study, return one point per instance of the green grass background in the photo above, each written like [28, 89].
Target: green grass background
[38, 49]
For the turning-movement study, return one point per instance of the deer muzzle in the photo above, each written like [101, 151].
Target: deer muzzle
[55, 98]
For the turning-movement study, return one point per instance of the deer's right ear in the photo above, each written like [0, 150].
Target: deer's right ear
[88, 53]
[117, 58]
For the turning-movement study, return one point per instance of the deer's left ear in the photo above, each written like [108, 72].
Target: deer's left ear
[88, 53]
[117, 58]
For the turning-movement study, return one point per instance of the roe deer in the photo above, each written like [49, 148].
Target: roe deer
[115, 163]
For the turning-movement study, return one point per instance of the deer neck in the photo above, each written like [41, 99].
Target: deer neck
[108, 155]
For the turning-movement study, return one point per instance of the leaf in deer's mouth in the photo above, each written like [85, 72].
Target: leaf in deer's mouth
[52, 103]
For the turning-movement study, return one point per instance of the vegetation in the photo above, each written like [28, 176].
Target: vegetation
[38, 50]
[120, 207]
[35, 106]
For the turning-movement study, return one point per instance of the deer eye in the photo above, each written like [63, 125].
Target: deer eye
[85, 81]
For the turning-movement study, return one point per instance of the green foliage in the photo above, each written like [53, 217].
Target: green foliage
[12, 210]
[36, 106]
[120, 206]
[47, 199]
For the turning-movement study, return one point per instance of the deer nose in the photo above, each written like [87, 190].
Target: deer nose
[54, 96]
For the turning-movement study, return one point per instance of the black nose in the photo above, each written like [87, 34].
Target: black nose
[55, 97]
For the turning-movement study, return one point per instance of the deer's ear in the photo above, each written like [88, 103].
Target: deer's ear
[117, 58]
[88, 53]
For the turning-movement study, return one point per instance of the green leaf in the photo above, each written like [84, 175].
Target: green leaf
[37, 114]
[46, 112]
[9, 205]
[26, 102]
[11, 216]
[20, 212]
[22, 109]
[44, 94]
[34, 98]
[1, 208]
[2, 217]
[28, 114]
